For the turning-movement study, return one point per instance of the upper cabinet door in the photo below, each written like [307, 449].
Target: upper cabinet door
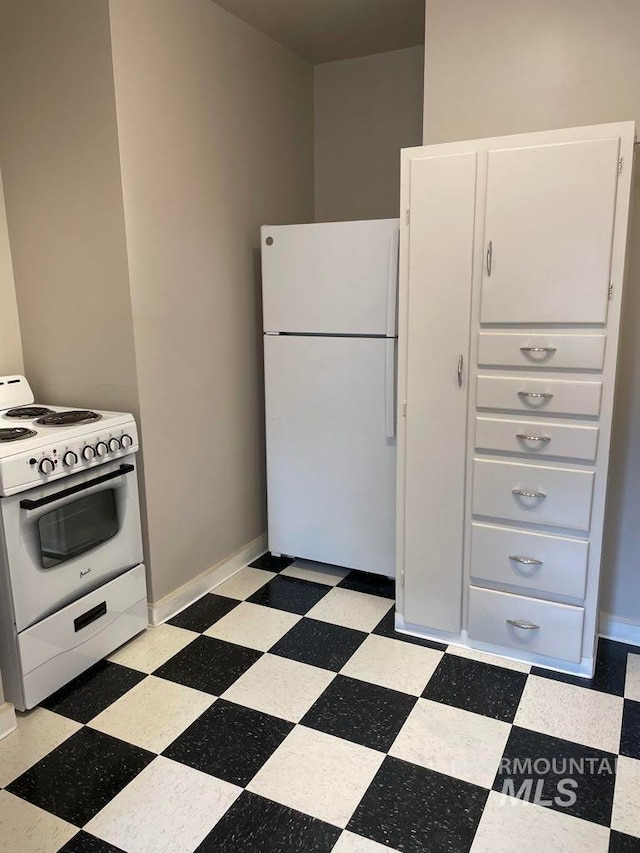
[548, 232]
[331, 278]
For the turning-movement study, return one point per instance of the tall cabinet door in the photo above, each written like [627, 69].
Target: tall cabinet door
[548, 232]
[442, 202]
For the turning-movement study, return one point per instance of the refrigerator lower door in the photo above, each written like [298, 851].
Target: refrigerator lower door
[331, 454]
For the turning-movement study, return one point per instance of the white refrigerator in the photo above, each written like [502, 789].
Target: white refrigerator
[329, 308]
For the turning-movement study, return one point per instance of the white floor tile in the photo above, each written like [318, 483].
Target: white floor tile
[509, 825]
[394, 664]
[153, 713]
[632, 684]
[351, 609]
[279, 686]
[574, 713]
[318, 774]
[253, 625]
[307, 570]
[151, 649]
[452, 741]
[25, 828]
[244, 583]
[349, 842]
[39, 731]
[626, 797]
[168, 808]
[485, 657]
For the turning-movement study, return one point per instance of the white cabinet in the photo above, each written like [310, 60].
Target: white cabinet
[512, 255]
[547, 232]
[435, 366]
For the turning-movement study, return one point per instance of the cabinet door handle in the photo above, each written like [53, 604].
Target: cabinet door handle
[523, 493]
[525, 561]
[459, 370]
[524, 437]
[521, 623]
[489, 257]
[538, 349]
[535, 395]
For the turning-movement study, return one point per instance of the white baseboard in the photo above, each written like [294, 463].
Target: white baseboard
[8, 721]
[205, 582]
[618, 628]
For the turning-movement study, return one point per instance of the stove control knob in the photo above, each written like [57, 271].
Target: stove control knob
[102, 448]
[126, 441]
[70, 458]
[46, 466]
[88, 452]
[114, 445]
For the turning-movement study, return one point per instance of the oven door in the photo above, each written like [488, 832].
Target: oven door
[68, 537]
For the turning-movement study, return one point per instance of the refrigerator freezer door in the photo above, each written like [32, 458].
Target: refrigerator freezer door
[332, 278]
[330, 462]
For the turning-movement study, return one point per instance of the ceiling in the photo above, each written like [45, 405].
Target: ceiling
[325, 30]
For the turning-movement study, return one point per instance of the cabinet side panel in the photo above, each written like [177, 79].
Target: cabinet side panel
[442, 200]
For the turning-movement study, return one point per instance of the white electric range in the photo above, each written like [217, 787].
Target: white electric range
[72, 582]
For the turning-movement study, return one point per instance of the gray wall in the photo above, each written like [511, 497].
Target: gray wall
[59, 160]
[511, 66]
[143, 144]
[366, 110]
[216, 138]
[10, 342]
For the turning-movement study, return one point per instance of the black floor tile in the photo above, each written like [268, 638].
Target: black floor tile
[291, 594]
[609, 673]
[208, 664]
[564, 776]
[203, 613]
[230, 742]
[254, 824]
[85, 843]
[360, 712]
[630, 738]
[492, 691]
[370, 583]
[94, 690]
[415, 810]
[386, 628]
[621, 843]
[319, 644]
[272, 564]
[81, 775]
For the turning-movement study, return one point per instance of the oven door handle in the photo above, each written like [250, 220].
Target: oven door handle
[74, 490]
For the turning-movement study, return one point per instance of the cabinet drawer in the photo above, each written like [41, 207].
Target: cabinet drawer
[551, 396]
[566, 352]
[562, 495]
[552, 564]
[557, 632]
[541, 438]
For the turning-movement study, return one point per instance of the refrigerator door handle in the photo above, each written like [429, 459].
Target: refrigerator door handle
[392, 282]
[390, 387]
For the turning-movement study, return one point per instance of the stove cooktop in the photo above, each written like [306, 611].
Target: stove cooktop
[27, 412]
[16, 434]
[68, 418]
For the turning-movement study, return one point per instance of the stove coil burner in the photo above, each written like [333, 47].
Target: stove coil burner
[27, 412]
[70, 418]
[16, 434]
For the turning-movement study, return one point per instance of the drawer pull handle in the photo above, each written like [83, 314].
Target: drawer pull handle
[523, 493]
[535, 395]
[521, 623]
[538, 349]
[523, 437]
[525, 561]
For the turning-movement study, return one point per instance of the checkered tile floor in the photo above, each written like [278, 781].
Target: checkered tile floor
[284, 713]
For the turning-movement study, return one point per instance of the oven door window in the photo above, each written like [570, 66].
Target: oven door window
[77, 527]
